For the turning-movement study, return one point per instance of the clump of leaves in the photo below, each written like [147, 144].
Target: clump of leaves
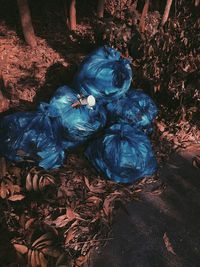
[38, 251]
[38, 180]
[9, 189]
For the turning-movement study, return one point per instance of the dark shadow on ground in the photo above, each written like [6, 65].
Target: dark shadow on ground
[138, 233]
[56, 75]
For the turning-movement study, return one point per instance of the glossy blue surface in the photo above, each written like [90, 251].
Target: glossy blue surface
[123, 154]
[136, 108]
[104, 74]
[50, 130]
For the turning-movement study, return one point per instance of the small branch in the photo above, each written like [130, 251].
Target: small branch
[100, 8]
[166, 12]
[143, 16]
[94, 240]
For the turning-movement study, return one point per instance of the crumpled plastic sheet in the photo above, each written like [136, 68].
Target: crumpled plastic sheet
[136, 108]
[32, 135]
[80, 123]
[104, 74]
[123, 154]
[47, 132]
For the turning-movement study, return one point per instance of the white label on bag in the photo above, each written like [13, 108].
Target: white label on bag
[91, 101]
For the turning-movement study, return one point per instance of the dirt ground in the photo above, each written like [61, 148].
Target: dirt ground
[161, 228]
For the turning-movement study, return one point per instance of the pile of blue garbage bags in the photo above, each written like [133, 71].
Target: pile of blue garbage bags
[102, 111]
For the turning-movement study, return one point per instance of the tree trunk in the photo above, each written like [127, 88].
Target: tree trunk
[100, 8]
[66, 13]
[143, 16]
[26, 22]
[4, 102]
[72, 15]
[166, 12]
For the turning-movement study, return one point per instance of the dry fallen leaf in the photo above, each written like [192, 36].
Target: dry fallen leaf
[16, 197]
[21, 248]
[168, 244]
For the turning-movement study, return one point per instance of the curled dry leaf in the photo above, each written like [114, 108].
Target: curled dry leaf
[16, 197]
[64, 219]
[43, 241]
[29, 223]
[34, 258]
[43, 260]
[97, 188]
[3, 190]
[61, 221]
[168, 244]
[38, 181]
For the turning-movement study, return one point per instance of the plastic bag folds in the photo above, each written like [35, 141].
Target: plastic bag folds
[136, 108]
[122, 154]
[79, 119]
[104, 74]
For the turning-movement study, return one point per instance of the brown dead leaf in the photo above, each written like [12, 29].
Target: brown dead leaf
[43, 241]
[61, 221]
[93, 200]
[28, 182]
[3, 190]
[70, 235]
[16, 197]
[107, 206]
[20, 248]
[98, 188]
[29, 223]
[43, 261]
[80, 260]
[168, 244]
[35, 182]
[161, 126]
[71, 215]
[33, 259]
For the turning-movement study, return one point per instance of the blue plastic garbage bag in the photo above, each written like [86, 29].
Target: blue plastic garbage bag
[104, 74]
[136, 108]
[33, 134]
[81, 122]
[122, 154]
[52, 129]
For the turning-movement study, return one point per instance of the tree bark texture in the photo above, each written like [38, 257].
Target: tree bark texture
[143, 16]
[100, 8]
[26, 22]
[166, 12]
[66, 12]
[72, 15]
